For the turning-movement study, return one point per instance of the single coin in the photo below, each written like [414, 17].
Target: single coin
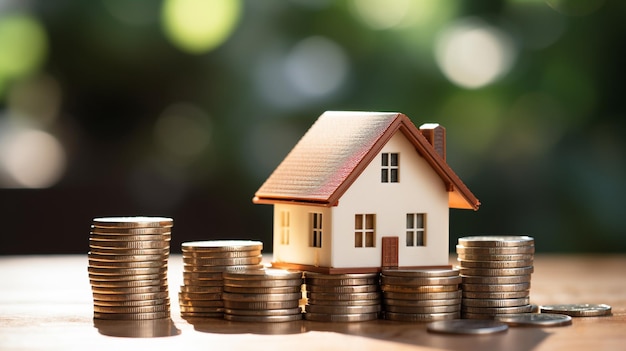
[578, 309]
[261, 297]
[342, 297]
[127, 271]
[419, 288]
[466, 326]
[132, 222]
[496, 302]
[127, 283]
[262, 274]
[220, 254]
[222, 245]
[261, 305]
[220, 269]
[497, 241]
[391, 280]
[420, 317]
[132, 316]
[313, 301]
[495, 287]
[200, 303]
[495, 295]
[155, 231]
[423, 296]
[443, 302]
[132, 290]
[421, 273]
[193, 276]
[128, 245]
[132, 309]
[332, 309]
[341, 279]
[131, 303]
[126, 258]
[110, 237]
[124, 251]
[121, 278]
[201, 309]
[496, 271]
[232, 261]
[343, 289]
[199, 296]
[264, 319]
[131, 297]
[423, 309]
[203, 282]
[201, 289]
[262, 290]
[112, 265]
[347, 317]
[511, 279]
[494, 264]
[495, 257]
[512, 250]
[535, 319]
[276, 283]
[276, 312]
[492, 311]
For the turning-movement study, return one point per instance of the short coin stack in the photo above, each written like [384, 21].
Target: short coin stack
[342, 297]
[268, 295]
[421, 295]
[128, 267]
[496, 274]
[200, 295]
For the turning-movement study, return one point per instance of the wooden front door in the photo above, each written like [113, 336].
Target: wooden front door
[390, 251]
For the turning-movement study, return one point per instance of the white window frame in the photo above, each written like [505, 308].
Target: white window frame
[415, 229]
[390, 167]
[316, 221]
[365, 230]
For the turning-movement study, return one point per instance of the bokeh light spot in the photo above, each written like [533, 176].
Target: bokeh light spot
[381, 14]
[473, 54]
[183, 131]
[30, 158]
[198, 26]
[23, 44]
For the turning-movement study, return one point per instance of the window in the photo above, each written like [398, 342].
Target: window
[316, 229]
[389, 167]
[284, 227]
[415, 232]
[364, 230]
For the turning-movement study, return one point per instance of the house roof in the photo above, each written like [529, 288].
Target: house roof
[338, 147]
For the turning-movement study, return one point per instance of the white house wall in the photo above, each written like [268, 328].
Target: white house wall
[419, 190]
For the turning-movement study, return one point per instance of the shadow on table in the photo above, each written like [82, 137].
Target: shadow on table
[222, 326]
[152, 328]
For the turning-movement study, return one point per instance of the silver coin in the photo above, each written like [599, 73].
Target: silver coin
[331, 309]
[511, 279]
[496, 294]
[495, 287]
[346, 317]
[132, 222]
[535, 319]
[222, 245]
[262, 274]
[261, 297]
[492, 311]
[275, 312]
[262, 290]
[496, 241]
[313, 301]
[495, 257]
[423, 273]
[512, 250]
[496, 302]
[269, 319]
[344, 297]
[467, 326]
[578, 310]
[420, 317]
[494, 272]
[494, 264]
[441, 302]
[343, 288]
[220, 254]
[391, 280]
[423, 309]
[261, 305]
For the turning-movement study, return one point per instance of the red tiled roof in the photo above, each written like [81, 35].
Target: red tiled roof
[336, 149]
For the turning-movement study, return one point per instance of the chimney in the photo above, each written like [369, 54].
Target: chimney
[436, 136]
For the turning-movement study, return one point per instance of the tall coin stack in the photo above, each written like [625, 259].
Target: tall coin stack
[496, 274]
[203, 263]
[342, 297]
[421, 295]
[268, 295]
[128, 267]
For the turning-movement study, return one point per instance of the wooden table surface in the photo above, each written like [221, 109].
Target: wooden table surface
[45, 304]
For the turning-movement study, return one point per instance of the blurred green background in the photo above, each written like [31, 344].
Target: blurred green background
[182, 108]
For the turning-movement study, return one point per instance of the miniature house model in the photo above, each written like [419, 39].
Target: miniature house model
[363, 191]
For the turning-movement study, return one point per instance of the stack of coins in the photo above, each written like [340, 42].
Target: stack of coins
[268, 295]
[128, 267]
[342, 297]
[203, 263]
[496, 274]
[421, 295]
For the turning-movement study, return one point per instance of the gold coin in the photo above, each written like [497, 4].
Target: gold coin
[125, 251]
[201, 289]
[131, 303]
[513, 250]
[221, 254]
[262, 290]
[347, 317]
[132, 316]
[201, 309]
[124, 271]
[420, 273]
[332, 309]
[495, 264]
[131, 231]
[495, 295]
[262, 274]
[496, 310]
[132, 290]
[200, 303]
[132, 222]
[127, 283]
[121, 278]
[276, 312]
[423, 296]
[203, 282]
[391, 280]
[199, 296]
[220, 269]
[222, 245]
[131, 296]
[516, 257]
[194, 276]
[511, 279]
[107, 265]
[341, 279]
[131, 309]
[128, 245]
[495, 287]
[194, 315]
[419, 288]
[344, 296]
[343, 289]
[496, 302]
[423, 309]
[126, 258]
[421, 317]
[233, 261]
[109, 237]
[261, 297]
[256, 319]
[443, 302]
[263, 283]
[496, 271]
[497, 241]
[313, 301]
[261, 305]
